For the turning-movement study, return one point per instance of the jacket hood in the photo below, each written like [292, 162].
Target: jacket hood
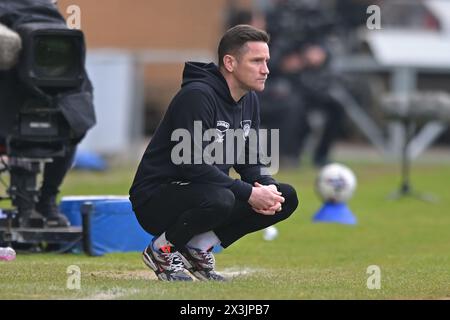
[209, 74]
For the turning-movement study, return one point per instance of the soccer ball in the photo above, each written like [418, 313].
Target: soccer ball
[335, 183]
[270, 233]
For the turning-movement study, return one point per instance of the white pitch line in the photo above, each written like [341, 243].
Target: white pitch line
[113, 293]
[237, 272]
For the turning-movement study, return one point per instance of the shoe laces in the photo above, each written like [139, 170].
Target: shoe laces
[175, 262]
[207, 258]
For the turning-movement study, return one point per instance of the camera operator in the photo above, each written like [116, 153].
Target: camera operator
[74, 104]
[299, 79]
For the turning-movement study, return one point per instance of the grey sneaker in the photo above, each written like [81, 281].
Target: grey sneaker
[166, 263]
[201, 264]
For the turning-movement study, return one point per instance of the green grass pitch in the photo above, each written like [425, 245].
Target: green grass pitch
[409, 240]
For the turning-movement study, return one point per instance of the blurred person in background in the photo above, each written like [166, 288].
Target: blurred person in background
[300, 79]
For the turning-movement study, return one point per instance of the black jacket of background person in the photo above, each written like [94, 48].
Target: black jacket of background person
[204, 96]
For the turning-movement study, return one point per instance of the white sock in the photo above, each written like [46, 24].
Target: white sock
[204, 241]
[161, 241]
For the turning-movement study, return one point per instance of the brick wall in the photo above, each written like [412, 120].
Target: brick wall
[154, 24]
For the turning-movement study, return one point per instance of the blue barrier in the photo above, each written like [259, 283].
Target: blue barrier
[114, 227]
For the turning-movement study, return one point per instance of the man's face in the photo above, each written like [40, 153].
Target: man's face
[251, 69]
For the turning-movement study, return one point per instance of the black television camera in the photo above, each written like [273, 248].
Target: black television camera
[51, 64]
[39, 121]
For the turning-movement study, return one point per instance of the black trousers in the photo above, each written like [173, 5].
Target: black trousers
[183, 211]
[55, 171]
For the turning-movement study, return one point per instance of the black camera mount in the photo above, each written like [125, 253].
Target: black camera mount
[49, 70]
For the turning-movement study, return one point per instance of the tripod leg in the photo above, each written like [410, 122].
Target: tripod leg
[405, 187]
[426, 197]
[24, 192]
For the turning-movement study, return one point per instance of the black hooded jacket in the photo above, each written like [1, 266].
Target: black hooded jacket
[204, 97]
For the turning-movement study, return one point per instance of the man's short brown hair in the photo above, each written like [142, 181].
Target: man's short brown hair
[234, 40]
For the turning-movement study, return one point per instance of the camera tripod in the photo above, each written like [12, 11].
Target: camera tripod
[406, 189]
[22, 224]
